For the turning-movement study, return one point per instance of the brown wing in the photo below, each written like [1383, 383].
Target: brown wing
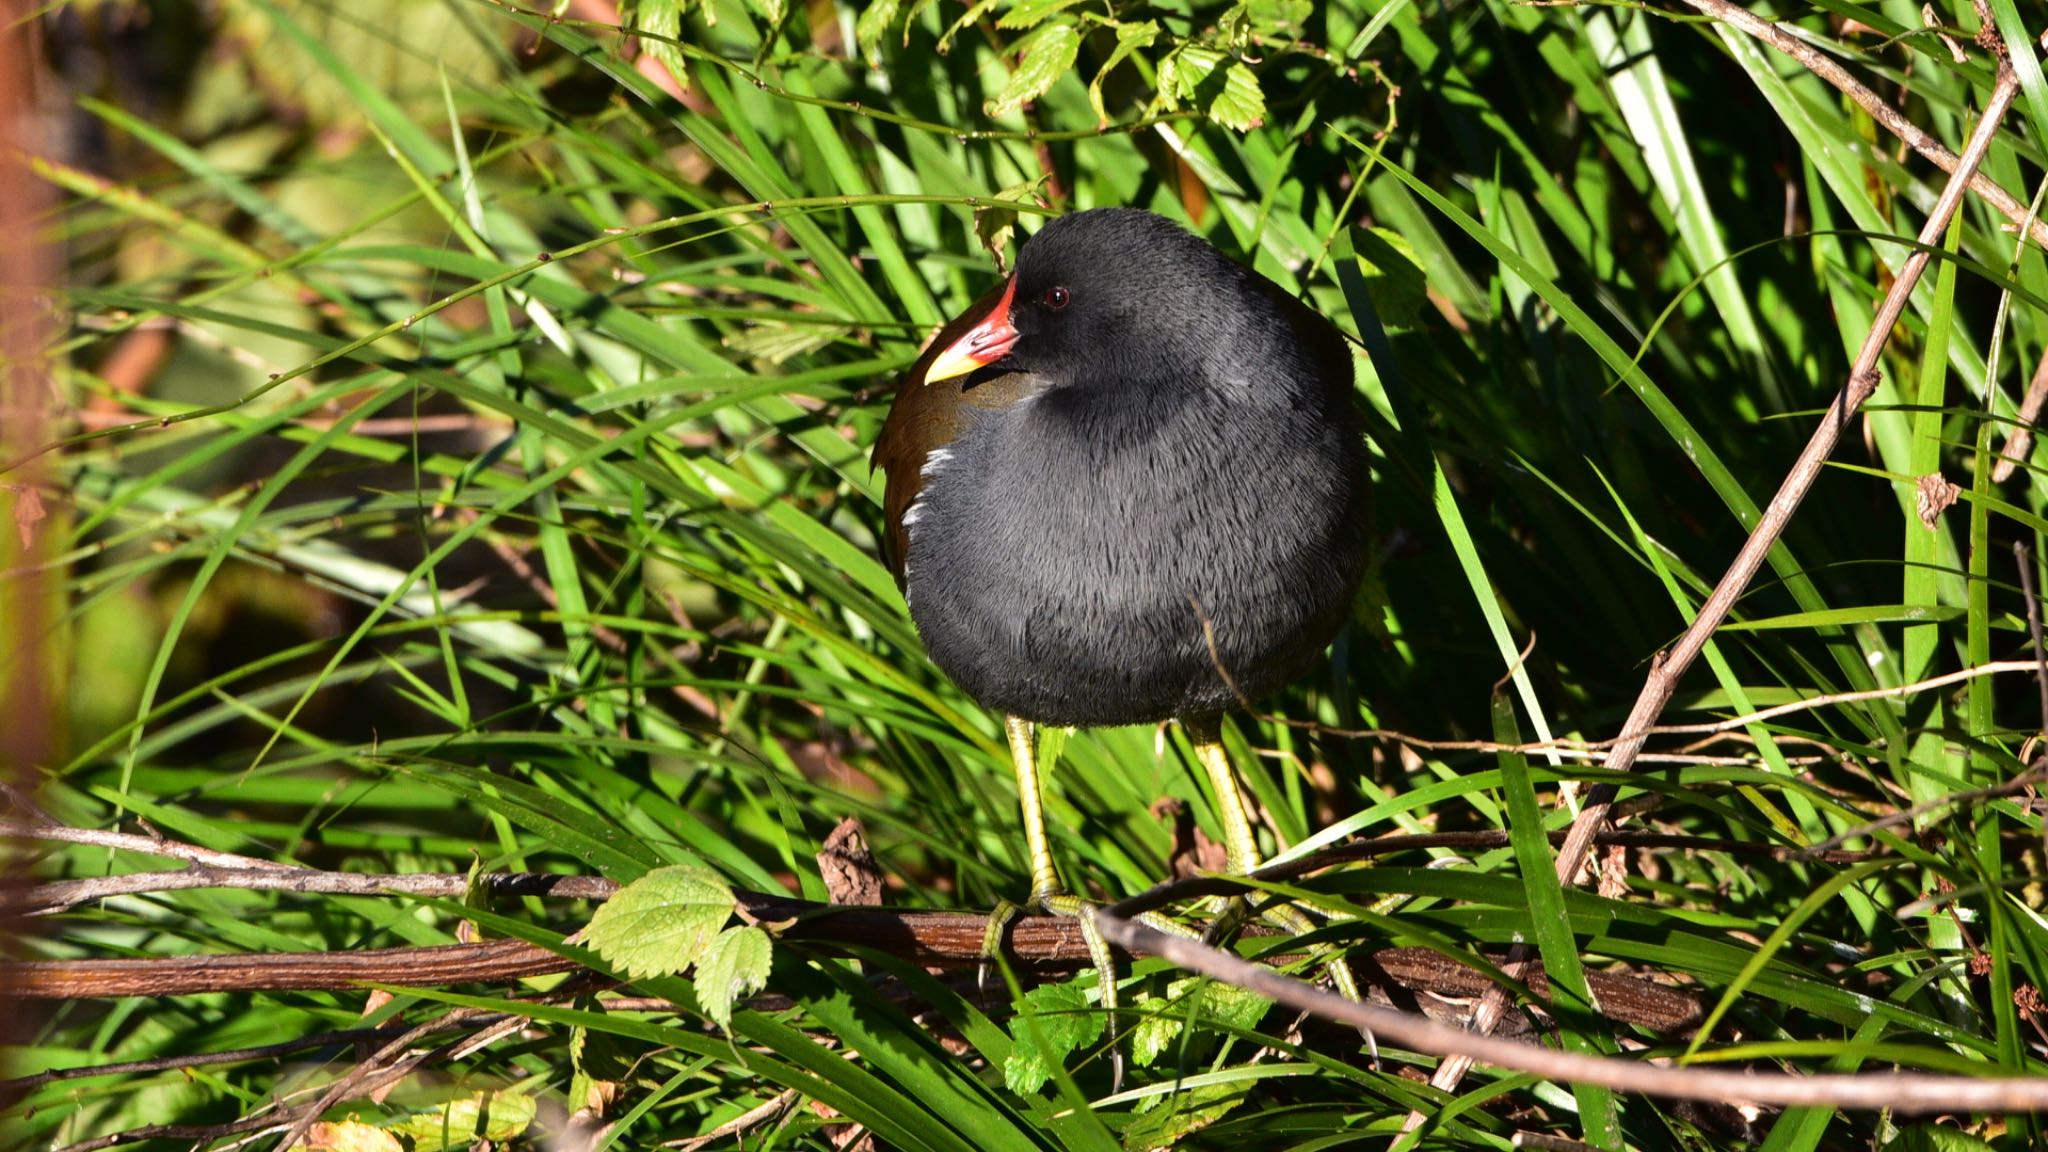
[925, 417]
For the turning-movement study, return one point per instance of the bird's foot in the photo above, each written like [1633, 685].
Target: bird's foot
[1060, 903]
[1287, 918]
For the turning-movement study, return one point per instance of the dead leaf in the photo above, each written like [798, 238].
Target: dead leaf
[1614, 873]
[1193, 853]
[348, 1136]
[1936, 494]
[849, 869]
[28, 511]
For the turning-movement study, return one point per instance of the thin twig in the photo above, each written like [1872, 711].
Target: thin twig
[127, 842]
[1895, 1092]
[2026, 566]
[1823, 66]
[386, 1066]
[2019, 443]
[2019, 783]
[1669, 667]
[766, 1112]
[61, 895]
[1597, 750]
[12, 1089]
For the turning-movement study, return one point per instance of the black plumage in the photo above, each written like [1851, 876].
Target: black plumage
[1148, 502]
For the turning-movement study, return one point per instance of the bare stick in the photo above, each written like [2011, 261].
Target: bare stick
[1895, 1092]
[1669, 667]
[1863, 377]
[1825, 67]
[2019, 443]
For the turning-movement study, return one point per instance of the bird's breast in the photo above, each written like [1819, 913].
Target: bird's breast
[1083, 566]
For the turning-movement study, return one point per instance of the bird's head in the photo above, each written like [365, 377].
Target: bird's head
[1106, 295]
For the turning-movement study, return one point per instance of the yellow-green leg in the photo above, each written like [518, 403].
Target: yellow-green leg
[1241, 847]
[1045, 879]
[1047, 892]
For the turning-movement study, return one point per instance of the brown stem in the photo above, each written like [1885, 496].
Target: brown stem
[1671, 666]
[1895, 1092]
[1825, 67]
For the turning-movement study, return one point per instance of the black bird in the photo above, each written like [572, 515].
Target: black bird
[1127, 486]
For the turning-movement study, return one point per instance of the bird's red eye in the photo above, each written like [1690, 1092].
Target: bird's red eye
[1056, 298]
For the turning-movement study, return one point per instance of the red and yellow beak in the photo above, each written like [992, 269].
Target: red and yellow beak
[981, 345]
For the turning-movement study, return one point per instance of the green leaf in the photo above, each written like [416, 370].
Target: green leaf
[1052, 1021]
[1279, 17]
[873, 24]
[1031, 13]
[660, 23]
[1129, 39]
[1393, 275]
[663, 922]
[493, 1116]
[770, 10]
[1207, 1001]
[993, 226]
[1167, 1119]
[1043, 57]
[736, 967]
[1937, 1138]
[1211, 80]
[1861, 614]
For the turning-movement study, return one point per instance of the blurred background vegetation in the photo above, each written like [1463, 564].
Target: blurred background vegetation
[467, 406]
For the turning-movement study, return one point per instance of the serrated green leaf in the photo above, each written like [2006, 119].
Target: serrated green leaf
[1936, 1138]
[736, 967]
[493, 1116]
[993, 226]
[1159, 1028]
[1234, 1007]
[1052, 1021]
[661, 25]
[1030, 13]
[1183, 1114]
[868, 30]
[1220, 1004]
[1043, 57]
[1279, 17]
[1393, 275]
[1171, 1117]
[776, 342]
[770, 10]
[1130, 38]
[1240, 105]
[663, 922]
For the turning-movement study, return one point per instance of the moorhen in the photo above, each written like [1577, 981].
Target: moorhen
[1127, 486]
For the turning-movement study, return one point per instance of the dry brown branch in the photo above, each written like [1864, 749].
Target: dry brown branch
[1598, 751]
[2019, 443]
[1824, 66]
[394, 1062]
[1902, 1093]
[2026, 567]
[952, 939]
[1993, 668]
[1670, 666]
[61, 895]
[12, 1089]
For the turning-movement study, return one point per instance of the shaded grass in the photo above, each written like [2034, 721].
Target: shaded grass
[625, 610]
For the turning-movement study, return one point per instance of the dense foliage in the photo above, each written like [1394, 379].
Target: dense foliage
[469, 405]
